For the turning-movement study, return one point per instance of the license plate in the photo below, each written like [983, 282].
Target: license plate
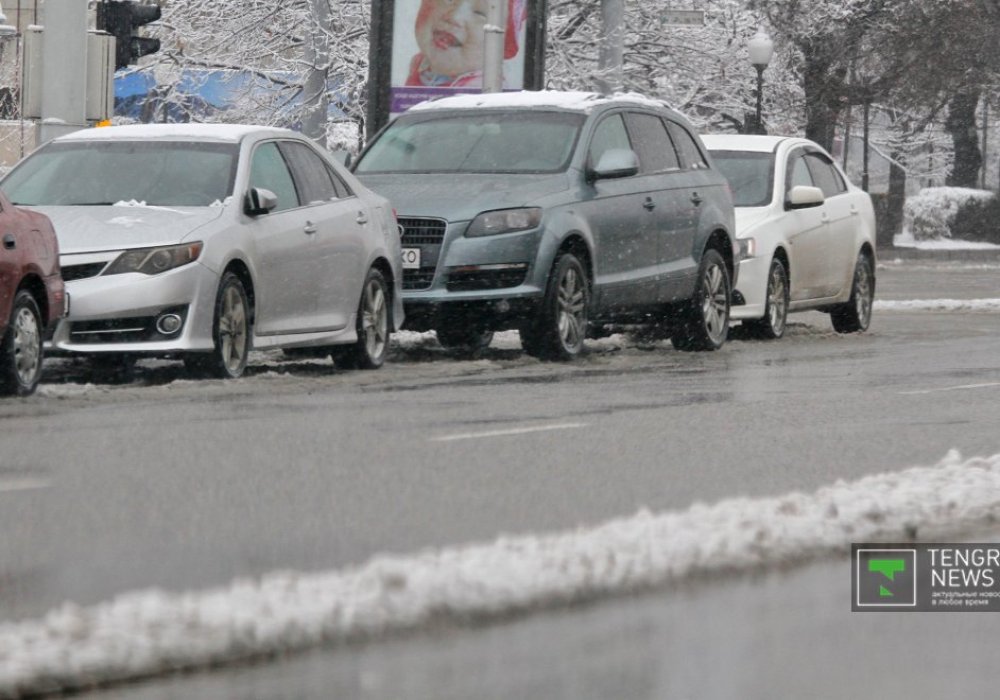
[411, 258]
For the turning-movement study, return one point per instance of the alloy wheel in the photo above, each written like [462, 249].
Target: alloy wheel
[863, 293]
[572, 309]
[375, 319]
[233, 330]
[777, 300]
[715, 303]
[27, 346]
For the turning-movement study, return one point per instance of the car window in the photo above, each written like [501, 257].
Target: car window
[687, 146]
[343, 189]
[652, 143]
[798, 172]
[825, 175]
[312, 177]
[489, 141]
[750, 175]
[154, 172]
[269, 171]
[610, 133]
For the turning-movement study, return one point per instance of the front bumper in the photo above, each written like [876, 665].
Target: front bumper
[752, 286]
[492, 281]
[118, 313]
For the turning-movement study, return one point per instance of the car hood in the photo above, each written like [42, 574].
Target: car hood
[748, 218]
[93, 229]
[460, 197]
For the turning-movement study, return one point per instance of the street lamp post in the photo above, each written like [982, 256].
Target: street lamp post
[761, 49]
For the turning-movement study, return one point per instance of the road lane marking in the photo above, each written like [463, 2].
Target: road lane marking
[22, 484]
[508, 431]
[962, 387]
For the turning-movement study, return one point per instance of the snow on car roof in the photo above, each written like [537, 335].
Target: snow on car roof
[577, 101]
[742, 142]
[212, 132]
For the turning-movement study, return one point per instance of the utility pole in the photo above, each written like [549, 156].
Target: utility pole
[986, 126]
[317, 98]
[496, 20]
[64, 69]
[612, 54]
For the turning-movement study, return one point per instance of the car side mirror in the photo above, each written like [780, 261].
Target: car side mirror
[259, 201]
[804, 197]
[616, 163]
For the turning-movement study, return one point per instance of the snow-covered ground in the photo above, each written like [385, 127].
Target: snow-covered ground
[152, 631]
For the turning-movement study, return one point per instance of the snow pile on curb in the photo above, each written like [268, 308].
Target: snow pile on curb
[928, 216]
[150, 632]
[939, 305]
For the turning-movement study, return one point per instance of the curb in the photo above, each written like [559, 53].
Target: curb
[988, 255]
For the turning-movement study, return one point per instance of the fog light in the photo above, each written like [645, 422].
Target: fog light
[168, 324]
[502, 306]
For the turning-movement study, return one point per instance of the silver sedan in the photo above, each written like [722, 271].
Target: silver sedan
[205, 241]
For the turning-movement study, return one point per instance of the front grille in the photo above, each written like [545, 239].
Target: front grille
[138, 329]
[116, 330]
[428, 235]
[417, 279]
[79, 272]
[422, 231]
[477, 280]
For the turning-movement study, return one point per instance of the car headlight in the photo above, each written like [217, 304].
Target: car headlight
[153, 261]
[490, 223]
[748, 248]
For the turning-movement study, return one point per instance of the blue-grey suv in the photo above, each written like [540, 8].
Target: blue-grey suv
[556, 214]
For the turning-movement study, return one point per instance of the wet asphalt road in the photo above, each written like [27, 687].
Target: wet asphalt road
[186, 484]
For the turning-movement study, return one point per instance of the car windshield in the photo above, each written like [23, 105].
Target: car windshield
[483, 142]
[750, 176]
[102, 173]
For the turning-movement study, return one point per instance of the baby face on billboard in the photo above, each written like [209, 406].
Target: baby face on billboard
[450, 35]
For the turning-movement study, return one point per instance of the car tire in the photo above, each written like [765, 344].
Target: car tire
[231, 333]
[21, 349]
[374, 327]
[561, 326]
[772, 325]
[465, 342]
[705, 317]
[856, 314]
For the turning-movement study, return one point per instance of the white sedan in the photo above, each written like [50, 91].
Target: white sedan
[203, 241]
[806, 234]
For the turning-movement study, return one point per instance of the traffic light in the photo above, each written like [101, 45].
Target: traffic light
[121, 19]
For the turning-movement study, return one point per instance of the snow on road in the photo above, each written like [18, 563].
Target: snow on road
[149, 632]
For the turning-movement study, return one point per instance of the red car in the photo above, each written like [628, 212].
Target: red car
[32, 296]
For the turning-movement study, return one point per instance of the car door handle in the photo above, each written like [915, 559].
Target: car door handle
[362, 218]
[649, 204]
[695, 198]
[309, 228]
[9, 242]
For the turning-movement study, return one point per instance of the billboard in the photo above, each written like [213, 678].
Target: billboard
[438, 49]
[423, 49]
